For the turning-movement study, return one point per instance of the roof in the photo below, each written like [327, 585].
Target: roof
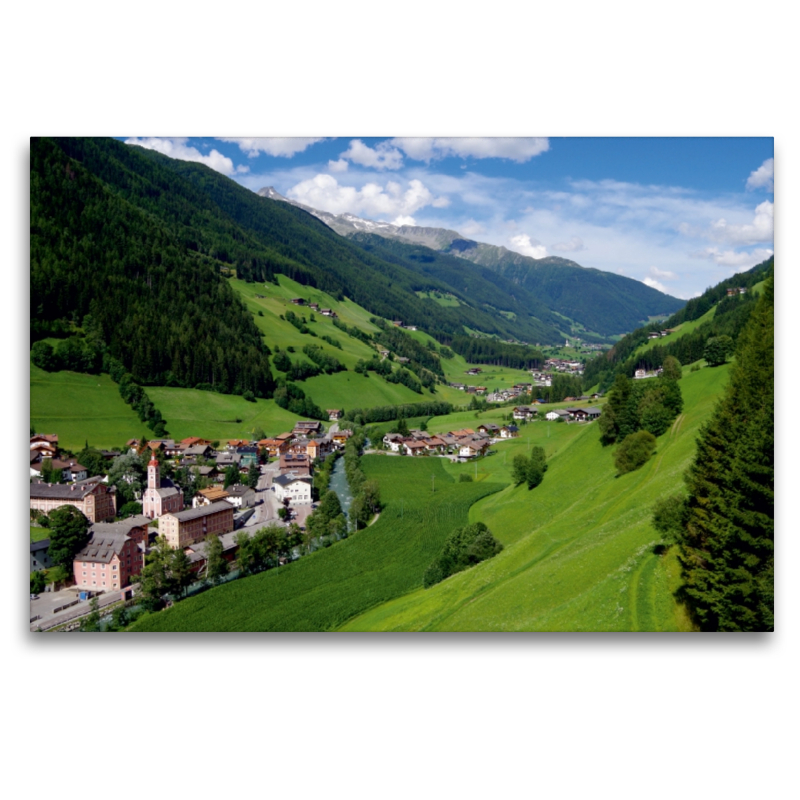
[60, 491]
[167, 491]
[201, 511]
[195, 450]
[285, 480]
[42, 544]
[238, 489]
[213, 493]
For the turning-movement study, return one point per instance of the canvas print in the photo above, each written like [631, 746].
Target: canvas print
[401, 384]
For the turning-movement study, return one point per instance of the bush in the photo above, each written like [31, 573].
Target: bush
[38, 582]
[463, 548]
[464, 478]
[635, 450]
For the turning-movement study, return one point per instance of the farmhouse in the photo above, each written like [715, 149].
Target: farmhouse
[205, 497]
[334, 413]
[524, 412]
[509, 432]
[194, 524]
[91, 496]
[275, 447]
[557, 413]
[306, 427]
[414, 448]
[240, 496]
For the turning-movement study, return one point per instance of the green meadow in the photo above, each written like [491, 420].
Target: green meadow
[580, 550]
[680, 330]
[323, 590]
[81, 407]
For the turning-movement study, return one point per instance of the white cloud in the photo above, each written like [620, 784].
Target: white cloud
[663, 274]
[759, 230]
[373, 200]
[284, 147]
[176, 147]
[732, 258]
[572, 246]
[382, 156]
[515, 148]
[763, 177]
[338, 166]
[524, 245]
[655, 285]
[472, 228]
[404, 221]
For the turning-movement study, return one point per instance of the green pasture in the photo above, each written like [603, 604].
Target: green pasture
[81, 407]
[681, 330]
[323, 590]
[446, 300]
[579, 548]
[37, 534]
[351, 390]
[191, 412]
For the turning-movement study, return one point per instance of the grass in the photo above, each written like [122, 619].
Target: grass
[82, 407]
[323, 590]
[579, 548]
[681, 330]
[37, 534]
[190, 412]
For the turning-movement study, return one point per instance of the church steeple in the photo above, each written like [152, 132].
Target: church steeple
[153, 474]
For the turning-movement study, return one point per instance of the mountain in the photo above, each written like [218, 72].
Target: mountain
[603, 302]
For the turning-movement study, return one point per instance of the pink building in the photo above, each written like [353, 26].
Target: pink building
[160, 497]
[97, 501]
[113, 556]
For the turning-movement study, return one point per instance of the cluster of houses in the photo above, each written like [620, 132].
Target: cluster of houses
[326, 312]
[115, 552]
[564, 366]
[641, 374]
[465, 443]
[504, 395]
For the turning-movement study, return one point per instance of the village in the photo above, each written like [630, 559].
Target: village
[114, 555]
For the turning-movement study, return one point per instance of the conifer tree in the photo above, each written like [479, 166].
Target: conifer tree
[727, 543]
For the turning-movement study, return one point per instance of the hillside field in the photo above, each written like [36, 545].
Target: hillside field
[579, 548]
[322, 590]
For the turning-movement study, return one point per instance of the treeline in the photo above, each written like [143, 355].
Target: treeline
[366, 416]
[366, 493]
[725, 526]
[291, 397]
[500, 354]
[405, 346]
[462, 549]
[163, 312]
[729, 320]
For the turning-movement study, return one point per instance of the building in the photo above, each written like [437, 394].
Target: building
[70, 470]
[509, 432]
[160, 496]
[306, 427]
[39, 557]
[298, 463]
[92, 497]
[205, 497]
[113, 555]
[194, 524]
[241, 496]
[295, 488]
[275, 447]
[334, 413]
[557, 413]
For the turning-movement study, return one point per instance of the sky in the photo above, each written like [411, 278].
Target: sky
[679, 214]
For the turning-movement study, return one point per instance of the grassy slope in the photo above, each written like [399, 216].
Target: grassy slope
[681, 330]
[37, 534]
[579, 552]
[79, 407]
[324, 589]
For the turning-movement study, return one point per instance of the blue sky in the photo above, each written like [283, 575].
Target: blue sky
[679, 214]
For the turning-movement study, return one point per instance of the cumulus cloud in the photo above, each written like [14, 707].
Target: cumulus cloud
[176, 147]
[382, 156]
[572, 246]
[404, 221]
[373, 200]
[514, 148]
[663, 274]
[338, 166]
[763, 177]
[732, 258]
[760, 230]
[653, 284]
[524, 245]
[284, 147]
[472, 228]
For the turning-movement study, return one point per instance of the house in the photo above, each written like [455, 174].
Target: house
[113, 555]
[298, 463]
[275, 447]
[412, 447]
[235, 445]
[306, 427]
[435, 445]
[397, 323]
[196, 552]
[314, 306]
[225, 460]
[193, 441]
[295, 488]
[340, 438]
[194, 524]
[411, 327]
[249, 454]
[319, 448]
[39, 556]
[240, 496]
[579, 414]
[472, 449]
[384, 353]
[197, 451]
[327, 312]
[160, 496]
[557, 413]
[402, 360]
[394, 441]
[205, 497]
[298, 301]
[523, 412]
[96, 500]
[70, 470]
[489, 428]
[509, 432]
[334, 413]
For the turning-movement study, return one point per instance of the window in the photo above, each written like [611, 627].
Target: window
[114, 567]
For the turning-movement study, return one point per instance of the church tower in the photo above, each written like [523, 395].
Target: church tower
[153, 474]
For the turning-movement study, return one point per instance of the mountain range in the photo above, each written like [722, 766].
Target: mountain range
[600, 302]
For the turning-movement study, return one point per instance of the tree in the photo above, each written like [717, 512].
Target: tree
[50, 475]
[91, 624]
[131, 509]
[231, 475]
[38, 581]
[671, 368]
[727, 542]
[717, 350]
[634, 451]
[69, 533]
[537, 466]
[167, 571]
[253, 474]
[463, 548]
[216, 564]
[519, 469]
[401, 427]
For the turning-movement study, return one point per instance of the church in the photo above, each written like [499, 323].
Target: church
[160, 497]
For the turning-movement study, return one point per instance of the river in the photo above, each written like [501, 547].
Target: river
[338, 483]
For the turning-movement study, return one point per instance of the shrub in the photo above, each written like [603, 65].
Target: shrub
[464, 478]
[635, 450]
